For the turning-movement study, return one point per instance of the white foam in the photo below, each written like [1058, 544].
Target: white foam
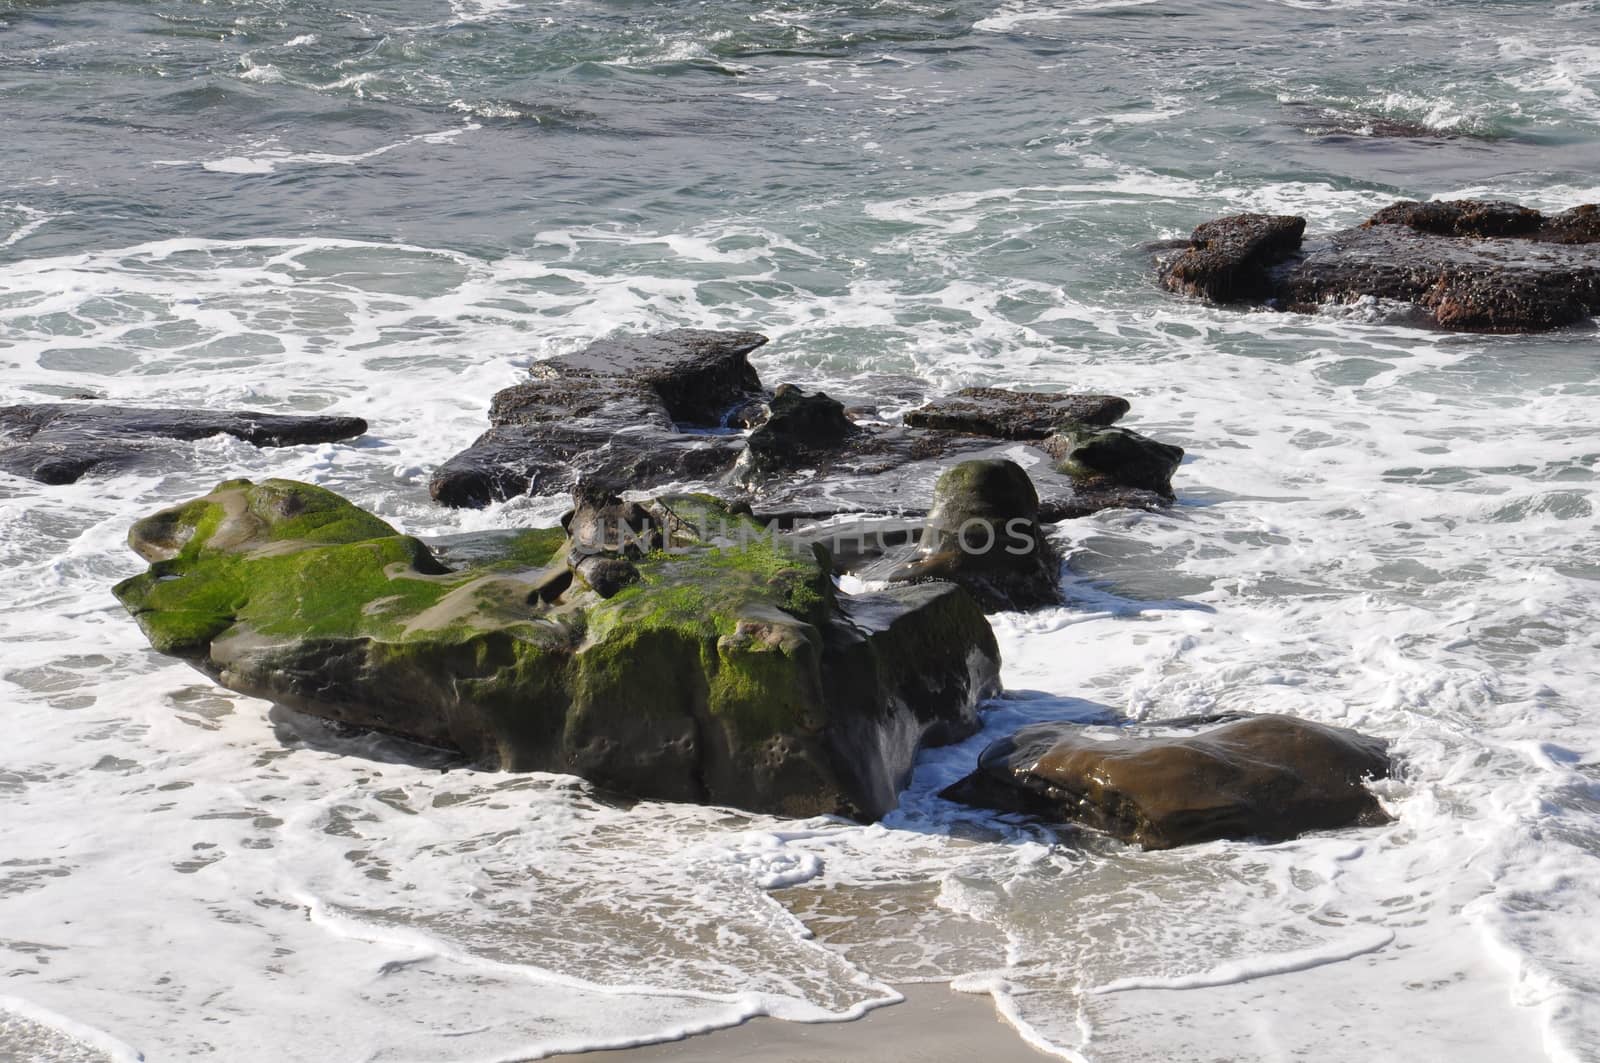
[79, 1034]
[32, 220]
[1566, 71]
[1012, 15]
[1257, 966]
[268, 160]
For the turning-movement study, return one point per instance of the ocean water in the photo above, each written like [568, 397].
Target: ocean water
[391, 208]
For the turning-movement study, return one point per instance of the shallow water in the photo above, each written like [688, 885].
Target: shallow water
[392, 210]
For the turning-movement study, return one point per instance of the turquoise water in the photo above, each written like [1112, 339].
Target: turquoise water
[392, 209]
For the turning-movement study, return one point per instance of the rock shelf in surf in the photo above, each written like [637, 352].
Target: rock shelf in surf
[1269, 777]
[1469, 265]
[696, 647]
[667, 649]
[637, 412]
[57, 443]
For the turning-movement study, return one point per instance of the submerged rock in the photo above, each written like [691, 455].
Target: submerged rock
[668, 649]
[1269, 777]
[1332, 123]
[58, 443]
[1472, 265]
[637, 413]
[984, 534]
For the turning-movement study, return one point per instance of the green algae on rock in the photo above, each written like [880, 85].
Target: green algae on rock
[729, 671]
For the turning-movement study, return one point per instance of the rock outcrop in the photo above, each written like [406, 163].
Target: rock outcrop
[641, 412]
[1466, 264]
[668, 649]
[1270, 777]
[57, 443]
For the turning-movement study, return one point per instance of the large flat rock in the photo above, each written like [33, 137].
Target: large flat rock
[57, 443]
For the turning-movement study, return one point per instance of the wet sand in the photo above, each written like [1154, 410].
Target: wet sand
[933, 1025]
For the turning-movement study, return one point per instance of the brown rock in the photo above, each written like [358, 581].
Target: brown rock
[1229, 260]
[1479, 266]
[1268, 777]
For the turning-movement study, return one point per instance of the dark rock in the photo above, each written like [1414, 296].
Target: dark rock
[984, 534]
[605, 575]
[1580, 225]
[1115, 456]
[750, 414]
[616, 414]
[1461, 217]
[549, 459]
[800, 431]
[1468, 265]
[613, 411]
[1002, 414]
[602, 522]
[1269, 777]
[1229, 260]
[1332, 123]
[722, 667]
[579, 401]
[698, 374]
[58, 443]
[897, 471]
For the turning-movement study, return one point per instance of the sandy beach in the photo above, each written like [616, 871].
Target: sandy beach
[933, 1024]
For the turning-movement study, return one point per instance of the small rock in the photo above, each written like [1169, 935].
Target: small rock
[605, 575]
[801, 430]
[1114, 455]
[984, 534]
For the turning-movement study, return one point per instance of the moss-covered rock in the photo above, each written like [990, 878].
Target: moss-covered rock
[984, 533]
[726, 669]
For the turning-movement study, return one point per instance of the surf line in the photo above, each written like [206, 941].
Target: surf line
[1257, 967]
[84, 1034]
